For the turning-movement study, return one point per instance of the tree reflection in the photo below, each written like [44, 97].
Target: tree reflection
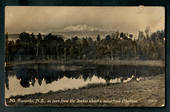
[29, 74]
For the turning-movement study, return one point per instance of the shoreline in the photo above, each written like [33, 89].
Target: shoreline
[101, 62]
[148, 92]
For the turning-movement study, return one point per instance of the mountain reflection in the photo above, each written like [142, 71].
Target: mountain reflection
[30, 73]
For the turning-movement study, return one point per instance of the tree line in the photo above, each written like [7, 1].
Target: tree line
[118, 45]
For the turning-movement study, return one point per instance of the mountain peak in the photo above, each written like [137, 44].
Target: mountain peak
[83, 27]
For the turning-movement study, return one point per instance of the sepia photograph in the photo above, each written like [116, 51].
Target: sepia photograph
[85, 56]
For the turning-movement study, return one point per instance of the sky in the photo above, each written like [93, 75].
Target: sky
[59, 18]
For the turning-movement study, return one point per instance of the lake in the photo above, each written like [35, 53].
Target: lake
[41, 78]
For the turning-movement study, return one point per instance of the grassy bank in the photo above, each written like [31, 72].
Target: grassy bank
[148, 92]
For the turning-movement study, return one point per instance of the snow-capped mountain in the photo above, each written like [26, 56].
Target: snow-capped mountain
[82, 30]
[84, 27]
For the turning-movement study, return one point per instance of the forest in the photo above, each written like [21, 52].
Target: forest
[116, 46]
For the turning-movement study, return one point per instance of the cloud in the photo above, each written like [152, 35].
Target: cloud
[50, 19]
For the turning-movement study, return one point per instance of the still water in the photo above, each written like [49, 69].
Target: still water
[42, 78]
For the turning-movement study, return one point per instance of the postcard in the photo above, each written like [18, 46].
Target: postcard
[82, 56]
